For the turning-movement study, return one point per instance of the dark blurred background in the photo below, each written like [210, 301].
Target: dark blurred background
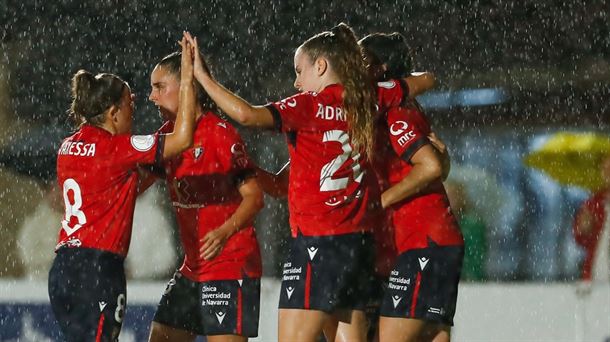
[549, 61]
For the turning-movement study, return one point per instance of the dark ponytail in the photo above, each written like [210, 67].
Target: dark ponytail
[389, 49]
[93, 95]
[340, 47]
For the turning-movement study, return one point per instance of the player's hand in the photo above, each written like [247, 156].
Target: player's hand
[437, 143]
[213, 242]
[186, 61]
[200, 67]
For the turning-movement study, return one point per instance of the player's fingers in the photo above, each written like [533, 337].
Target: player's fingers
[207, 242]
[212, 252]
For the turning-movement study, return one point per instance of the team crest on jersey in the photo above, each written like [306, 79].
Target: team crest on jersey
[197, 152]
[142, 143]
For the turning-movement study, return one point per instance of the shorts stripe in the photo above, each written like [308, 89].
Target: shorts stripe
[239, 313]
[415, 294]
[100, 328]
[307, 285]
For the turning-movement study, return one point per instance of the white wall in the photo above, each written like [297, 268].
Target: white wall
[485, 312]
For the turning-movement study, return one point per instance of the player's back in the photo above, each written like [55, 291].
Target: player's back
[328, 181]
[96, 173]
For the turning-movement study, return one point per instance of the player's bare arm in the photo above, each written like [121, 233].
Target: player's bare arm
[441, 148]
[420, 82]
[182, 137]
[234, 106]
[426, 169]
[252, 202]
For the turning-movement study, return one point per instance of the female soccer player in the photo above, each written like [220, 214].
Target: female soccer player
[216, 292]
[420, 299]
[97, 172]
[332, 199]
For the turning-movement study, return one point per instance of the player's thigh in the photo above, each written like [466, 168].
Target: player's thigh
[226, 338]
[392, 329]
[352, 326]
[300, 325]
[164, 333]
[436, 333]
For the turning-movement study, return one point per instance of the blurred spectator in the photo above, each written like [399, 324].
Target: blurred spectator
[592, 230]
[473, 230]
[152, 252]
[37, 236]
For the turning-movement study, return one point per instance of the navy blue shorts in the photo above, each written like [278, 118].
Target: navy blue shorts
[373, 306]
[215, 307]
[424, 284]
[87, 290]
[327, 273]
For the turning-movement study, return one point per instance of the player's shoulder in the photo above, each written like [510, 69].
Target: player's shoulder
[389, 84]
[212, 121]
[298, 100]
[218, 128]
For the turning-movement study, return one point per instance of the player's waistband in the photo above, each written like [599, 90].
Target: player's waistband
[90, 255]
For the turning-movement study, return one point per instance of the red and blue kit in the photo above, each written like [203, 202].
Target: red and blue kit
[424, 281]
[330, 183]
[426, 216]
[97, 173]
[203, 183]
[333, 201]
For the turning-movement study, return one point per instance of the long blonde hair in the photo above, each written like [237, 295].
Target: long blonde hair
[340, 47]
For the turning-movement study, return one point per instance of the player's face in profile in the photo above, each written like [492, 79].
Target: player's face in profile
[307, 78]
[165, 92]
[375, 70]
[125, 113]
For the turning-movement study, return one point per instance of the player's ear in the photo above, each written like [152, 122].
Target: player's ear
[321, 66]
[112, 113]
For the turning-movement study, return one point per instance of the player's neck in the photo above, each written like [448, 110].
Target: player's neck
[329, 80]
[107, 126]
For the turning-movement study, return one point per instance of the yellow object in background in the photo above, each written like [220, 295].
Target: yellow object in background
[572, 158]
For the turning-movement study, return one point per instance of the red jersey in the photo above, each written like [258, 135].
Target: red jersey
[203, 183]
[426, 217]
[97, 173]
[590, 240]
[330, 184]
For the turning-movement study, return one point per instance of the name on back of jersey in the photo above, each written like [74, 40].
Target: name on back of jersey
[77, 148]
[330, 113]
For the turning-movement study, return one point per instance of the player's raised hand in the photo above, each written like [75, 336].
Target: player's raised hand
[200, 66]
[186, 62]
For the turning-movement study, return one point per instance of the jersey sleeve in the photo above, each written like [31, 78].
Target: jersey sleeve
[405, 135]
[391, 93]
[132, 150]
[233, 155]
[293, 112]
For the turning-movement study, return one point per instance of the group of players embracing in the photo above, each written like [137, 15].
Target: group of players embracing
[375, 252]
